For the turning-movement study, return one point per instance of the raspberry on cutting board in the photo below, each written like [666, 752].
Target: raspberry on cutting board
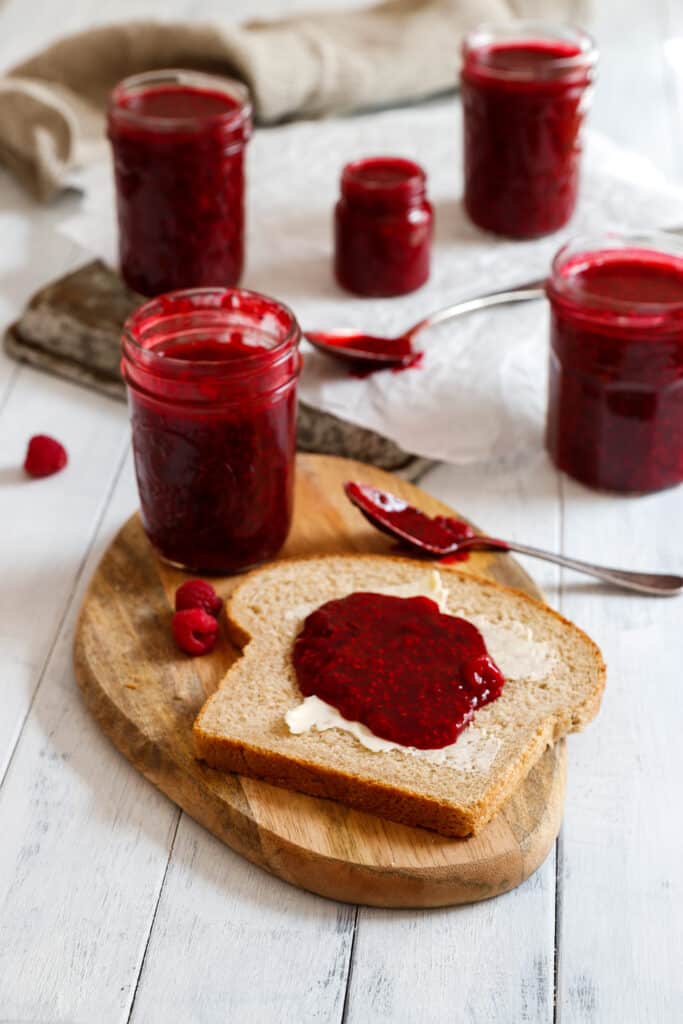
[194, 631]
[198, 594]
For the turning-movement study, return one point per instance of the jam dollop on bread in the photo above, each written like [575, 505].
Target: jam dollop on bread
[408, 672]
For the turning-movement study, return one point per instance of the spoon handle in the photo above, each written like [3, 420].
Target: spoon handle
[654, 583]
[520, 293]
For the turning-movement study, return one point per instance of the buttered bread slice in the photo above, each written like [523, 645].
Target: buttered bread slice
[258, 723]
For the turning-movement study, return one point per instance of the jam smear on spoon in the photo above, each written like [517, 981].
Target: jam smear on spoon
[393, 515]
[375, 353]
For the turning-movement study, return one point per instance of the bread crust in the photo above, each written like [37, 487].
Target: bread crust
[231, 754]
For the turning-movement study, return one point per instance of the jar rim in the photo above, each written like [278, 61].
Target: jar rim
[563, 286]
[146, 80]
[357, 178]
[489, 33]
[221, 301]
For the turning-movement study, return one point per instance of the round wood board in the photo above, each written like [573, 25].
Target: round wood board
[145, 695]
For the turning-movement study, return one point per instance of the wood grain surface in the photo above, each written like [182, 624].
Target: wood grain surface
[145, 695]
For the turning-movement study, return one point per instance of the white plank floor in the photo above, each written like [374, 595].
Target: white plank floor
[114, 907]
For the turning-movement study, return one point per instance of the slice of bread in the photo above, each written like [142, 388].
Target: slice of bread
[242, 727]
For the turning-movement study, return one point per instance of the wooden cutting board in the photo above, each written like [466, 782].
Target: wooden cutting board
[145, 694]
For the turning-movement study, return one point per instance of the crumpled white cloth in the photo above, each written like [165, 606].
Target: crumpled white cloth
[480, 392]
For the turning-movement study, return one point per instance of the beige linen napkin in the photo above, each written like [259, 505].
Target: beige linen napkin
[308, 65]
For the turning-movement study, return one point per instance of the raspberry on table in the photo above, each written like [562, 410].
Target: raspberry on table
[44, 456]
[198, 594]
[194, 631]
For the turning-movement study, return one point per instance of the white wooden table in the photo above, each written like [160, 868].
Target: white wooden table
[114, 906]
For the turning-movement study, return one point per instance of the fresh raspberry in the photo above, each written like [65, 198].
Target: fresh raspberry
[198, 594]
[194, 630]
[44, 456]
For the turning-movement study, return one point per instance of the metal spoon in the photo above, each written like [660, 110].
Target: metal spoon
[357, 347]
[431, 536]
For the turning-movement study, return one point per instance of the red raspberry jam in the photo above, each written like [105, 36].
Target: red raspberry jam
[398, 665]
[383, 227]
[393, 515]
[615, 409]
[525, 96]
[211, 377]
[178, 141]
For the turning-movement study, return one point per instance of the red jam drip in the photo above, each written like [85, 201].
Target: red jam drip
[398, 665]
[615, 413]
[387, 348]
[459, 531]
[178, 163]
[213, 424]
[523, 113]
[383, 227]
[365, 367]
[395, 516]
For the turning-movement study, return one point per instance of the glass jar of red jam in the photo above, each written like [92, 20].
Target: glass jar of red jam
[525, 92]
[211, 377]
[615, 412]
[383, 227]
[178, 141]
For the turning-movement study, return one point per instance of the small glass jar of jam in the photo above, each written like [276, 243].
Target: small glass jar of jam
[211, 377]
[525, 92]
[178, 141]
[383, 227]
[615, 412]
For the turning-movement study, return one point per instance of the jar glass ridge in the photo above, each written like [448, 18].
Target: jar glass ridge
[213, 430]
[526, 89]
[615, 407]
[178, 140]
[383, 225]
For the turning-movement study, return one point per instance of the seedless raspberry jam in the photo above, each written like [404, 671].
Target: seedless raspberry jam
[525, 92]
[383, 227]
[211, 377]
[615, 408]
[178, 141]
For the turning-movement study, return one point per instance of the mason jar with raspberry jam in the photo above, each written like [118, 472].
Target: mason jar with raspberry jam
[178, 141]
[525, 93]
[615, 407]
[211, 376]
[383, 227]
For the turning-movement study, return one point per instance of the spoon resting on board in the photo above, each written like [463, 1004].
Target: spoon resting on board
[378, 353]
[444, 537]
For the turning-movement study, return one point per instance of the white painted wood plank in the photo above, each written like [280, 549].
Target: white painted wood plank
[85, 843]
[621, 923]
[231, 943]
[9, 371]
[489, 962]
[493, 961]
[47, 524]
